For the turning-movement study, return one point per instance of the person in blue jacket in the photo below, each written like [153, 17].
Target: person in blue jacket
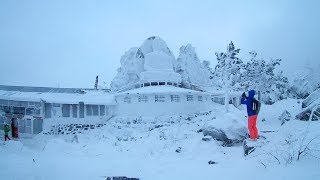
[252, 115]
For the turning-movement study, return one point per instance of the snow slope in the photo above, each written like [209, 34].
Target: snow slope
[168, 147]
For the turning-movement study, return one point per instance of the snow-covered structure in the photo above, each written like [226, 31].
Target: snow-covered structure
[148, 83]
[150, 64]
[162, 100]
[37, 108]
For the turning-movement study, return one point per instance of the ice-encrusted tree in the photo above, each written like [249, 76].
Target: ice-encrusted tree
[131, 67]
[193, 72]
[228, 70]
[261, 76]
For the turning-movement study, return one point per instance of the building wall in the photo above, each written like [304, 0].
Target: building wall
[71, 114]
[161, 104]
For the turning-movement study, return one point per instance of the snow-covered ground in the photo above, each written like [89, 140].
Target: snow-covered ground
[170, 147]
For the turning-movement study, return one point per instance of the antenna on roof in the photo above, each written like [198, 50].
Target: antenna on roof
[96, 83]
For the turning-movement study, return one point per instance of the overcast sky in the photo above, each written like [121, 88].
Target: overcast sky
[64, 43]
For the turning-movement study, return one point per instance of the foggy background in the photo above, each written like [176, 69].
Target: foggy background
[67, 43]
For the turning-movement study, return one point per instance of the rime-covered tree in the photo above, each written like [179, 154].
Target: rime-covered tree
[228, 70]
[192, 71]
[261, 76]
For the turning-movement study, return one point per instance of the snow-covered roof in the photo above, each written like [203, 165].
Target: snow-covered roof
[160, 90]
[89, 97]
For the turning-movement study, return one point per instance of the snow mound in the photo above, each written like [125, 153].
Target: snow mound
[155, 43]
[158, 60]
[153, 55]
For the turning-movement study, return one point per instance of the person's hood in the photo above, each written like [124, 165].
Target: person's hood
[251, 93]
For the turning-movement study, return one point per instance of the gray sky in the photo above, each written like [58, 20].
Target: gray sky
[67, 43]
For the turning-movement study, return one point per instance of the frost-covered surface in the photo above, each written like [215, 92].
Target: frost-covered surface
[169, 147]
[143, 101]
[191, 69]
[160, 89]
[313, 98]
[88, 97]
[305, 81]
[152, 56]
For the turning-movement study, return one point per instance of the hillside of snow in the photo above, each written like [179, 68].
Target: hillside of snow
[171, 147]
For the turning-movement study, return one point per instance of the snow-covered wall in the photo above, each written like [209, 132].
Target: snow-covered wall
[161, 104]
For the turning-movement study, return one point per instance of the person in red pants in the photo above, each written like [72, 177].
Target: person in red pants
[252, 114]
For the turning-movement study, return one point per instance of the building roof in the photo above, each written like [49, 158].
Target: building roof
[67, 97]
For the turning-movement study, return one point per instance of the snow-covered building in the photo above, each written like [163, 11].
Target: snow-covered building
[148, 83]
[38, 107]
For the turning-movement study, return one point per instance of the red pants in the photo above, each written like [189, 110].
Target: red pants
[252, 126]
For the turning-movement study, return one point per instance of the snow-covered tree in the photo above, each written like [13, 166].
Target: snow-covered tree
[192, 71]
[131, 67]
[228, 70]
[261, 76]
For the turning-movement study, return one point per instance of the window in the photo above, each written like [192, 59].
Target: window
[127, 99]
[154, 83]
[175, 84]
[143, 99]
[31, 103]
[175, 98]
[24, 103]
[160, 98]
[81, 109]
[169, 83]
[37, 126]
[189, 97]
[89, 110]
[162, 83]
[65, 110]
[47, 110]
[37, 104]
[95, 110]
[32, 111]
[18, 110]
[36, 112]
[7, 109]
[3, 102]
[55, 104]
[146, 84]
[74, 111]
[102, 110]
[200, 98]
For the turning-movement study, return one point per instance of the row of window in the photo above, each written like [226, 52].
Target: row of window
[162, 98]
[4, 102]
[91, 110]
[32, 111]
[158, 84]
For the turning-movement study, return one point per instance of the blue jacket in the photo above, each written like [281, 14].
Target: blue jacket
[248, 102]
